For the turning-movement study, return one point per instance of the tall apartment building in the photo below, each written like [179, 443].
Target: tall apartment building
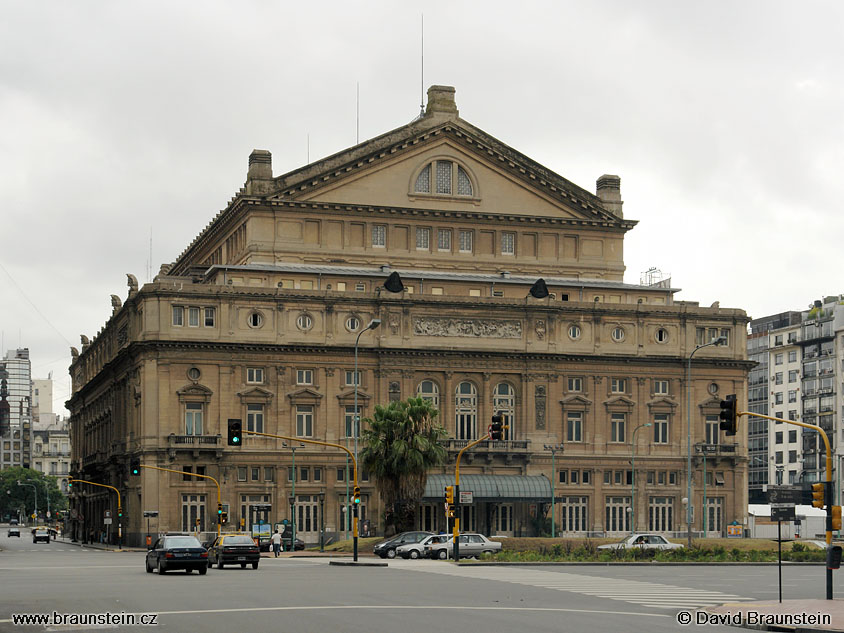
[263, 316]
[17, 440]
[799, 356]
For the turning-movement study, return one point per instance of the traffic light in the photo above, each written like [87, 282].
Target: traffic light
[119, 513]
[356, 495]
[69, 484]
[729, 419]
[219, 509]
[496, 429]
[135, 467]
[224, 518]
[818, 495]
[449, 495]
[235, 432]
[451, 512]
[836, 517]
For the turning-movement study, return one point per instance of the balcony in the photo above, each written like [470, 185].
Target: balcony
[716, 450]
[195, 443]
[506, 448]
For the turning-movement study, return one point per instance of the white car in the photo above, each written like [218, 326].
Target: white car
[642, 541]
[470, 545]
[417, 550]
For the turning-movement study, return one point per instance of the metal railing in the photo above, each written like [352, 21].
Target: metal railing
[194, 440]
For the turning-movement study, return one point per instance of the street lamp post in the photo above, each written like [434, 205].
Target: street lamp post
[374, 323]
[293, 497]
[718, 341]
[322, 520]
[633, 478]
[35, 488]
[553, 448]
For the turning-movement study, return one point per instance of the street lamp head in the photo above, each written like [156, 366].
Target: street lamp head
[374, 323]
[721, 340]
[648, 424]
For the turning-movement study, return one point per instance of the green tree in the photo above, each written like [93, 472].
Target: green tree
[15, 500]
[402, 442]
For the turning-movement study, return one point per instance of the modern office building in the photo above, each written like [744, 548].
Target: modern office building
[264, 318]
[16, 392]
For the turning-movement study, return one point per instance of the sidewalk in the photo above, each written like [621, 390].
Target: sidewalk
[100, 546]
[789, 615]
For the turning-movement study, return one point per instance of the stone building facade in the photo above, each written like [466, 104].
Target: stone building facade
[259, 317]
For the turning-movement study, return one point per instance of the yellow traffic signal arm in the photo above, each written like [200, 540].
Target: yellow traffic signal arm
[457, 480]
[182, 472]
[119, 506]
[828, 474]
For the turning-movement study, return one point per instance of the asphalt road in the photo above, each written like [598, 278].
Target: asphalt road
[302, 595]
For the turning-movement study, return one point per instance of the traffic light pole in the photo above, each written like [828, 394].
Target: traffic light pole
[216, 483]
[457, 494]
[827, 481]
[354, 465]
[119, 508]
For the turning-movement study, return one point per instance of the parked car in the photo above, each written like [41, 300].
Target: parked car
[417, 550]
[40, 534]
[231, 549]
[13, 531]
[387, 548]
[177, 551]
[642, 541]
[471, 545]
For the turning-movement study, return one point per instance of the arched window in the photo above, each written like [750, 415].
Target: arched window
[444, 178]
[466, 414]
[504, 400]
[428, 390]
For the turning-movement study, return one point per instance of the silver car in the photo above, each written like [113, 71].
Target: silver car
[471, 545]
[417, 550]
[642, 541]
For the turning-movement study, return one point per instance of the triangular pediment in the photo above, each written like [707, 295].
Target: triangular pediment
[576, 399]
[663, 402]
[256, 394]
[350, 395]
[619, 402]
[195, 390]
[305, 395]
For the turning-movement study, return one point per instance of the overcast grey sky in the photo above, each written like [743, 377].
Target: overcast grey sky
[724, 120]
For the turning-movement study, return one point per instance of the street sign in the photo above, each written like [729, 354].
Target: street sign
[48, 514]
[150, 513]
[782, 513]
[107, 521]
[785, 494]
[466, 497]
[108, 514]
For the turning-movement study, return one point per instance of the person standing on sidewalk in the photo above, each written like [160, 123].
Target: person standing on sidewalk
[275, 539]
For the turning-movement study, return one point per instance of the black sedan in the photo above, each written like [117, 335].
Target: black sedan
[233, 549]
[177, 551]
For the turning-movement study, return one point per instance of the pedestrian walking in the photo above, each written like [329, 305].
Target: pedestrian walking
[275, 539]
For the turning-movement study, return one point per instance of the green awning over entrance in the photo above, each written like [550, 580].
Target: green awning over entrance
[492, 487]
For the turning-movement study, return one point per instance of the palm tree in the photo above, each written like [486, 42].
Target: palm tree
[402, 442]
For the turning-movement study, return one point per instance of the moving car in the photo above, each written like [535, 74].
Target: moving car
[40, 534]
[177, 551]
[642, 541]
[231, 549]
[387, 549]
[471, 545]
[13, 521]
[13, 531]
[417, 550]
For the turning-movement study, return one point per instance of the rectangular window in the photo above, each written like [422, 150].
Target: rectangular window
[575, 384]
[350, 378]
[792, 376]
[341, 286]
[187, 469]
[241, 473]
[210, 314]
[574, 426]
[255, 417]
[178, 315]
[778, 437]
[444, 239]
[317, 474]
[304, 474]
[290, 473]
[269, 474]
[304, 420]
[254, 375]
[778, 378]
[778, 459]
[672, 479]
[618, 385]
[792, 355]
[778, 359]
[508, 243]
[660, 386]
[193, 317]
[792, 395]
[778, 339]
[255, 473]
[465, 245]
[660, 428]
[304, 377]
[792, 415]
[379, 236]
[474, 292]
[574, 476]
[564, 476]
[778, 398]
[444, 176]
[617, 423]
[349, 419]
[585, 478]
[193, 418]
[360, 287]
[607, 477]
[712, 429]
[423, 239]
[436, 290]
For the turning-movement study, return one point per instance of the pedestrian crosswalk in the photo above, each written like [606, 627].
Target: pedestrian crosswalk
[647, 594]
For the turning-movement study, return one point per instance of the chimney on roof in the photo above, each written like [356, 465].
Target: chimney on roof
[260, 175]
[609, 191]
[441, 101]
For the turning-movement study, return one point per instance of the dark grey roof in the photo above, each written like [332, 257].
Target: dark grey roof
[492, 487]
[442, 275]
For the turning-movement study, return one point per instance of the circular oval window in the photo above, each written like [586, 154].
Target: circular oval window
[618, 334]
[194, 373]
[661, 335]
[304, 322]
[353, 324]
[255, 319]
[713, 388]
[574, 332]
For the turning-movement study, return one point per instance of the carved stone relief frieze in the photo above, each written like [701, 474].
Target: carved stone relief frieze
[540, 398]
[539, 328]
[462, 327]
[394, 323]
